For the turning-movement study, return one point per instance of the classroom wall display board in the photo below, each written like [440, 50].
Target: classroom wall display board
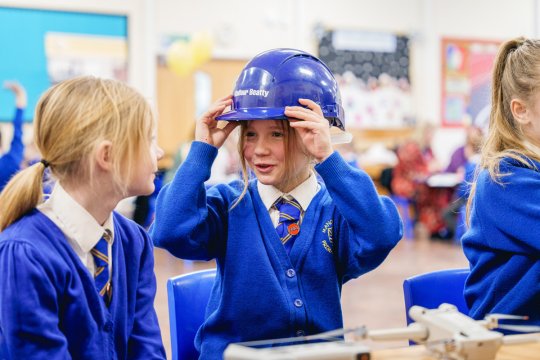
[372, 69]
[467, 66]
[43, 47]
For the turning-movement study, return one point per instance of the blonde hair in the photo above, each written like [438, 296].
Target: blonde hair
[71, 119]
[292, 145]
[516, 75]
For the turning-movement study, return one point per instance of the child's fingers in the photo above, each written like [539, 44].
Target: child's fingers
[217, 108]
[312, 105]
[309, 111]
[220, 105]
[298, 112]
[225, 98]
[220, 134]
[231, 125]
[309, 125]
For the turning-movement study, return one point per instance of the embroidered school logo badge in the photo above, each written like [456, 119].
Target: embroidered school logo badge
[328, 243]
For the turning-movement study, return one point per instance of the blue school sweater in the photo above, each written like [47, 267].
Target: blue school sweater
[49, 305]
[10, 162]
[503, 244]
[261, 292]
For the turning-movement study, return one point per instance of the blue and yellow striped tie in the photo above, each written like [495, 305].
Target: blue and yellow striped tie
[288, 227]
[101, 275]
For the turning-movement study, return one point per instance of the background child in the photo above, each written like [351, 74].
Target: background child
[285, 281]
[77, 279]
[10, 162]
[502, 244]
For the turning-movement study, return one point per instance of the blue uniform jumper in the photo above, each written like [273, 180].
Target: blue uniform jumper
[261, 292]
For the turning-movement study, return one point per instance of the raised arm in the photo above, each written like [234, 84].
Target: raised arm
[10, 162]
[20, 93]
[188, 223]
[369, 224]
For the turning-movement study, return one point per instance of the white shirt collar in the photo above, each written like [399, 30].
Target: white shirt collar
[303, 193]
[73, 219]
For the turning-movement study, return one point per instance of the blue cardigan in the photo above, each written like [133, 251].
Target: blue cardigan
[10, 162]
[261, 292]
[49, 306]
[503, 244]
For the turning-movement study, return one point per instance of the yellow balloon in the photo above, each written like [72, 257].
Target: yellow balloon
[202, 47]
[180, 58]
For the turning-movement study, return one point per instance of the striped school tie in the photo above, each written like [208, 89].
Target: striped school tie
[101, 274]
[288, 227]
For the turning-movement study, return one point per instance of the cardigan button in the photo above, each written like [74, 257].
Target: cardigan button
[298, 303]
[108, 326]
[300, 333]
[291, 273]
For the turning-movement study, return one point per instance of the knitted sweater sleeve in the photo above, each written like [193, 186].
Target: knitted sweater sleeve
[369, 225]
[188, 223]
[10, 162]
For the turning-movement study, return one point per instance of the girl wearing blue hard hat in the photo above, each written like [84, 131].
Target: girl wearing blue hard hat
[284, 242]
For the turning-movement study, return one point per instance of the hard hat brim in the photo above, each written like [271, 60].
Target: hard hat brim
[254, 114]
[267, 114]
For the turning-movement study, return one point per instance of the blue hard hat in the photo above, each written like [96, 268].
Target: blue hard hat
[277, 78]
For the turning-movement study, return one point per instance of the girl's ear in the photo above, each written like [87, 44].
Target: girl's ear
[103, 155]
[519, 111]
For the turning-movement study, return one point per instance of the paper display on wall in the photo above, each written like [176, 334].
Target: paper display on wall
[372, 70]
[466, 84]
[70, 55]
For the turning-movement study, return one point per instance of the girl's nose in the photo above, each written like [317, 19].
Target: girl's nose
[159, 153]
[261, 147]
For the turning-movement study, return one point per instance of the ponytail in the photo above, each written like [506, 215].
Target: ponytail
[502, 86]
[22, 194]
[516, 75]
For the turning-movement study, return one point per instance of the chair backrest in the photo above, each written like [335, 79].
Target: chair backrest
[434, 288]
[4, 355]
[188, 296]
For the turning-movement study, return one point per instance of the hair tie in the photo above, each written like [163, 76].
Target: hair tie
[44, 162]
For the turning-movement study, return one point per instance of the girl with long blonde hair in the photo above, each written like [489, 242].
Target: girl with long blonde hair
[503, 241]
[77, 278]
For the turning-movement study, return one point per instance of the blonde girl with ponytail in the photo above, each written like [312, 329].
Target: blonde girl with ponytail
[77, 278]
[503, 241]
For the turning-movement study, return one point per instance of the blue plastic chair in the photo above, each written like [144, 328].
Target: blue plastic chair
[404, 208]
[188, 296]
[4, 354]
[434, 288]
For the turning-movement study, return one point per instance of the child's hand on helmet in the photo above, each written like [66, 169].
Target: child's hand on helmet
[207, 129]
[314, 130]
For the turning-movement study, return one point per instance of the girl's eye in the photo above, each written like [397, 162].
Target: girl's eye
[277, 134]
[250, 134]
